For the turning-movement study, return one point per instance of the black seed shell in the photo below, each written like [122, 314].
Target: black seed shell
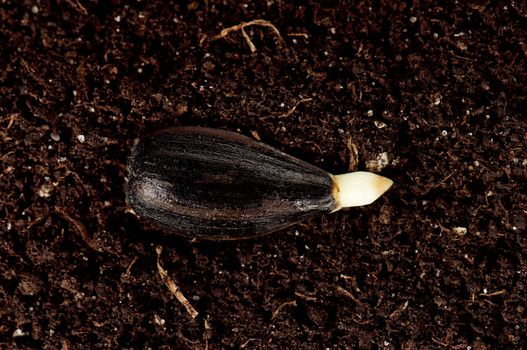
[216, 184]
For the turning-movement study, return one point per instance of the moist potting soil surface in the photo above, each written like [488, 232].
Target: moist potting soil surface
[430, 94]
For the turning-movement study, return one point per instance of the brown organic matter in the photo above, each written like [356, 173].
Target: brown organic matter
[431, 94]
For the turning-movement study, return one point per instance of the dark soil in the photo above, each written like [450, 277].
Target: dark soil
[440, 88]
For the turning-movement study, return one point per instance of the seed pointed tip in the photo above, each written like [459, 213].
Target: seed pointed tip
[359, 188]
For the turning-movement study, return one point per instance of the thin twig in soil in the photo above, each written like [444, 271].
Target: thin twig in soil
[399, 310]
[433, 186]
[279, 308]
[127, 273]
[499, 292]
[348, 294]
[79, 226]
[171, 285]
[11, 121]
[305, 297]
[304, 35]
[77, 6]
[292, 110]
[7, 155]
[257, 22]
[244, 345]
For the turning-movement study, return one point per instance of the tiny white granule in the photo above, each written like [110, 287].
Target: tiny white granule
[81, 138]
[34, 9]
[18, 333]
[379, 124]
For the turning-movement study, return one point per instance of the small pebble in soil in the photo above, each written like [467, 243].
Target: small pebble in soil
[55, 137]
[460, 231]
[45, 191]
[19, 333]
[81, 138]
[379, 124]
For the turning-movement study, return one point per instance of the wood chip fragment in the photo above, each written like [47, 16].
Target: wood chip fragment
[171, 285]
[257, 22]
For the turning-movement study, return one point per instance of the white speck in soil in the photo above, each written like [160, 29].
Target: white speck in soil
[19, 333]
[379, 124]
[55, 137]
